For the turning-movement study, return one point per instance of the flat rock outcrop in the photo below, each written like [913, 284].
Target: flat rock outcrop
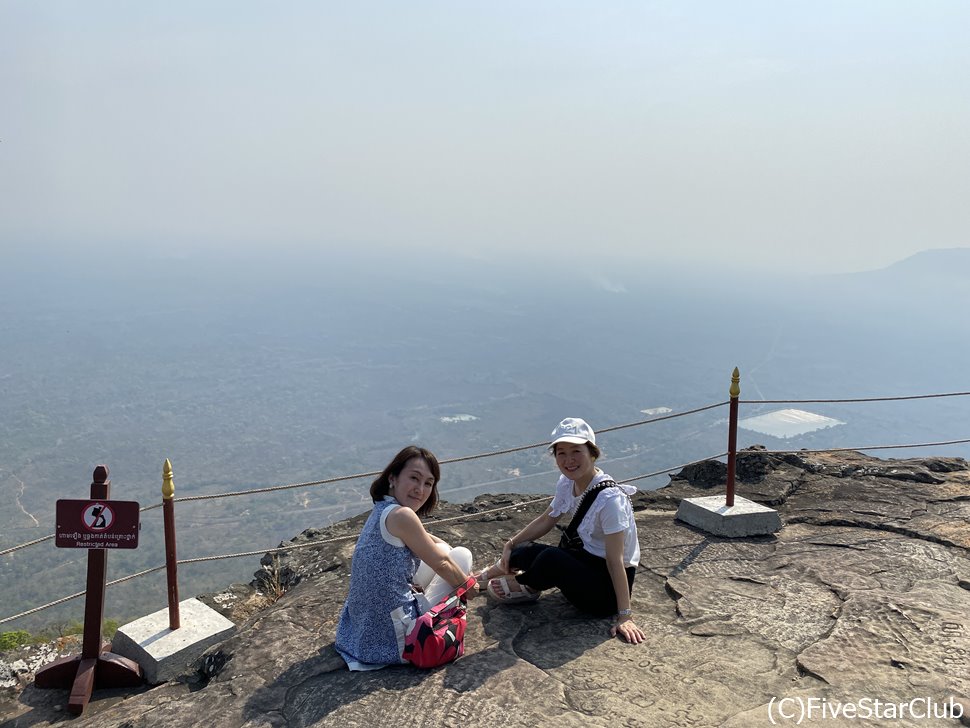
[863, 596]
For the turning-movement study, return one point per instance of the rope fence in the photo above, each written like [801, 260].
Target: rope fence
[335, 539]
[375, 473]
[49, 536]
[478, 514]
[448, 461]
[521, 448]
[859, 449]
[262, 552]
[856, 399]
[80, 594]
[670, 470]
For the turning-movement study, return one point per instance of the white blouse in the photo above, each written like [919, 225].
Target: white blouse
[611, 512]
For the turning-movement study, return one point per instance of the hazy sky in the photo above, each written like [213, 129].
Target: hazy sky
[809, 134]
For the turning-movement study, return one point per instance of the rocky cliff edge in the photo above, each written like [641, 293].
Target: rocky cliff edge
[860, 603]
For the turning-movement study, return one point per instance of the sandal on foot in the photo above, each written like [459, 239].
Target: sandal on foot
[522, 594]
[481, 580]
[482, 577]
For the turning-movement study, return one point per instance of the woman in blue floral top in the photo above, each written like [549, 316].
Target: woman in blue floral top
[399, 570]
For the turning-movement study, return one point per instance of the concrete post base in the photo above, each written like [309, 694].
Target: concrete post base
[744, 518]
[163, 653]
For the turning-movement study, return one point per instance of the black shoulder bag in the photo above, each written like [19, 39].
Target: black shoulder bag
[570, 539]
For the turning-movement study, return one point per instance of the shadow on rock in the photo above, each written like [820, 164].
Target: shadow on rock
[50, 705]
[310, 691]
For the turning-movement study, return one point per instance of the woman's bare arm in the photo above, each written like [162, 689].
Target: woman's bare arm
[625, 626]
[538, 528]
[405, 524]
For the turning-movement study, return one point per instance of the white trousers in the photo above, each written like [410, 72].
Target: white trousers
[433, 587]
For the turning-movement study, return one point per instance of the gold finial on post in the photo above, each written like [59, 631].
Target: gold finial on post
[168, 482]
[735, 390]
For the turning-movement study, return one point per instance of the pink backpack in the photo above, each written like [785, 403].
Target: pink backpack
[438, 636]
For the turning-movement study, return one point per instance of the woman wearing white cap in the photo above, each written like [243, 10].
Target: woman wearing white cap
[595, 573]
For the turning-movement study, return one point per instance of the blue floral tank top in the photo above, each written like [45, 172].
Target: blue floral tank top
[380, 582]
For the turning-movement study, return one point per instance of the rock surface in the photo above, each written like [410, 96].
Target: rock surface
[864, 595]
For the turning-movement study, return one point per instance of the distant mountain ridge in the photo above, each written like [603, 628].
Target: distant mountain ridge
[933, 263]
[930, 281]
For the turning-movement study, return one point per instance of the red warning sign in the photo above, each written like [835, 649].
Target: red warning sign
[98, 516]
[104, 524]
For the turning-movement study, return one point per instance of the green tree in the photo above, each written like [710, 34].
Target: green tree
[12, 640]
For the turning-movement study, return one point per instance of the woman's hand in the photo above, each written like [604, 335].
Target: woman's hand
[538, 528]
[628, 630]
[405, 524]
[506, 555]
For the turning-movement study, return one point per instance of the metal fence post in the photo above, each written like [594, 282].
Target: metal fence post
[171, 562]
[735, 392]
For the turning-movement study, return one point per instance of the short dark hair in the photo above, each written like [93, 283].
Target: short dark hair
[593, 450]
[382, 486]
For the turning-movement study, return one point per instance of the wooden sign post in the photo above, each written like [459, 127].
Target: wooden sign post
[100, 524]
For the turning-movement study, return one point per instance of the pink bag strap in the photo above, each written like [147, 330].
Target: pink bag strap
[457, 593]
[469, 584]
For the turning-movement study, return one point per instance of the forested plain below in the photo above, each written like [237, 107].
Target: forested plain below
[256, 373]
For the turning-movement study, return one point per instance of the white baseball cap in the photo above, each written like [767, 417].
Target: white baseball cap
[574, 430]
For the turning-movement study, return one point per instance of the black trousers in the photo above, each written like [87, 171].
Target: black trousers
[582, 577]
